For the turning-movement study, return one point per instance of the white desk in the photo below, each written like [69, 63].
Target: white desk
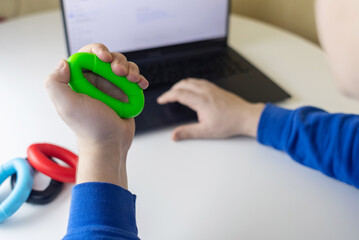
[210, 190]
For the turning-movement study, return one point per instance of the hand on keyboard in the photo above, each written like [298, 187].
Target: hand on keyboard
[221, 114]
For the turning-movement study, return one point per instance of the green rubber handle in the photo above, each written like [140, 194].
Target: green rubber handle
[80, 84]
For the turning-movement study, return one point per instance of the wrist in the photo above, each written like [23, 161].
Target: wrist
[250, 117]
[104, 162]
[112, 150]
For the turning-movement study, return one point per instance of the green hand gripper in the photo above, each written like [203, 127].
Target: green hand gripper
[80, 84]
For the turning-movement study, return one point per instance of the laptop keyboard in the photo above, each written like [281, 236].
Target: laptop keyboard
[209, 66]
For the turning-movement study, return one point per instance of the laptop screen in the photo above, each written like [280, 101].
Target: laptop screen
[133, 25]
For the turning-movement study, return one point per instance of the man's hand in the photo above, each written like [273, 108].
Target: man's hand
[221, 114]
[103, 137]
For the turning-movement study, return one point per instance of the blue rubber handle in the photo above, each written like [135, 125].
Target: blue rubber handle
[22, 188]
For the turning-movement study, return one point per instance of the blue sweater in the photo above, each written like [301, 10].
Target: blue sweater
[315, 138]
[311, 136]
[102, 211]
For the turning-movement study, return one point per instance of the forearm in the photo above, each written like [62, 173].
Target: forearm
[314, 138]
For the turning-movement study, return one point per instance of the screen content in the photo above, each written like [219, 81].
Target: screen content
[132, 25]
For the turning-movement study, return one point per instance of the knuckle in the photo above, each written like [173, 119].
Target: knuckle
[100, 45]
[188, 80]
[175, 86]
[182, 83]
[133, 65]
[120, 56]
[202, 81]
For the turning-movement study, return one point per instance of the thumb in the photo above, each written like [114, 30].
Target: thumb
[57, 86]
[61, 74]
[189, 131]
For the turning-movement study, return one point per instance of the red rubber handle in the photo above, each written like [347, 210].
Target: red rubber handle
[39, 154]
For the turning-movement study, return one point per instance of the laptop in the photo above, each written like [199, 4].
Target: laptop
[170, 41]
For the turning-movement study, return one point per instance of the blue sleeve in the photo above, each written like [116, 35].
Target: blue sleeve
[101, 211]
[315, 138]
